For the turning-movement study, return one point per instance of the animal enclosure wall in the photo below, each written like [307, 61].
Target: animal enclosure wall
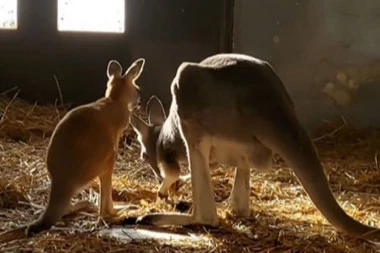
[302, 39]
[326, 52]
[164, 32]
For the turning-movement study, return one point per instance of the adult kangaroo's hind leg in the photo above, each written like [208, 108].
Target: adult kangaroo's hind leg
[239, 197]
[203, 194]
[204, 207]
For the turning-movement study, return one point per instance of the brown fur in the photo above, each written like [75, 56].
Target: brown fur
[84, 145]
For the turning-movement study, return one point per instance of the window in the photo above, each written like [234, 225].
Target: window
[91, 15]
[8, 14]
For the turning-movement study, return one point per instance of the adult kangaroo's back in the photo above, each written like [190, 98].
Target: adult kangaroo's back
[233, 100]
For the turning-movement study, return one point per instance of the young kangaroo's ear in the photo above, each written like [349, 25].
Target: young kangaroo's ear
[114, 68]
[135, 69]
[139, 125]
[156, 111]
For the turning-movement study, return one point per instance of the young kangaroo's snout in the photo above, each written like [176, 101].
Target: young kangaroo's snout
[147, 136]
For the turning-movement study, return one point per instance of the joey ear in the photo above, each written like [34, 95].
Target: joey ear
[134, 71]
[156, 111]
[139, 125]
[114, 68]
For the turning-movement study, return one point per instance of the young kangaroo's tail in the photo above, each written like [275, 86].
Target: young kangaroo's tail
[47, 219]
[15, 234]
[296, 148]
[59, 201]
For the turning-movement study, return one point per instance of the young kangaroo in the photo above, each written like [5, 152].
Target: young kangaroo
[237, 107]
[84, 146]
[161, 146]
[152, 136]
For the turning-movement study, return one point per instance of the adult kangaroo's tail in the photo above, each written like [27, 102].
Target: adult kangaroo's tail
[296, 148]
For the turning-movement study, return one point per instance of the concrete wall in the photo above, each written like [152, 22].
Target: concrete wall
[327, 53]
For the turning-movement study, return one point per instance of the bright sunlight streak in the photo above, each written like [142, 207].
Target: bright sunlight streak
[8, 14]
[91, 15]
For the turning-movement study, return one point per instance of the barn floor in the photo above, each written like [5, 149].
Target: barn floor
[283, 218]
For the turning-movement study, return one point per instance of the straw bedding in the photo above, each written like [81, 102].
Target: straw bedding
[283, 217]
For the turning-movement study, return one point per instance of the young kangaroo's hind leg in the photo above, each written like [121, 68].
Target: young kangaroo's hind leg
[59, 203]
[106, 206]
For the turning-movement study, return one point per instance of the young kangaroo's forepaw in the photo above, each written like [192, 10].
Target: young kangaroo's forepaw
[165, 194]
[178, 184]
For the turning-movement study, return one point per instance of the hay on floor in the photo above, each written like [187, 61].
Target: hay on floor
[283, 217]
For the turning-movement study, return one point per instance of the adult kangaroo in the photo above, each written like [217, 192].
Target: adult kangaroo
[236, 107]
[162, 147]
